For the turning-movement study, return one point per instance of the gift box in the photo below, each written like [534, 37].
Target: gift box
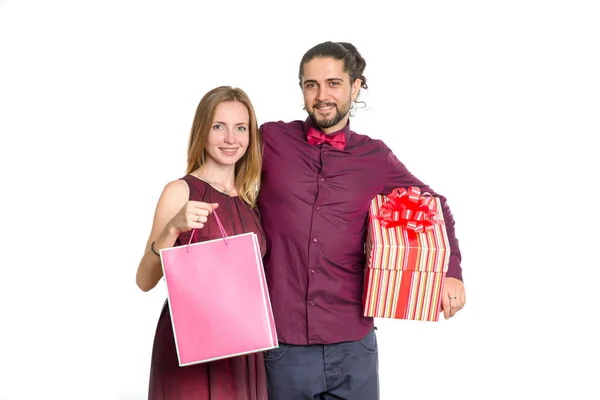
[218, 298]
[407, 253]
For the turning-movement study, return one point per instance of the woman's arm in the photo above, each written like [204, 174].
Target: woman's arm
[174, 215]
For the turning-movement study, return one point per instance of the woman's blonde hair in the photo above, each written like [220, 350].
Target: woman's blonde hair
[248, 168]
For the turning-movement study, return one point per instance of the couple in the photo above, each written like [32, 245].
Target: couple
[312, 181]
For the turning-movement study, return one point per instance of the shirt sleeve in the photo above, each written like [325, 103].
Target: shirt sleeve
[399, 176]
[262, 131]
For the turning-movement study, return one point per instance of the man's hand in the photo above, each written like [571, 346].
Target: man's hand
[453, 297]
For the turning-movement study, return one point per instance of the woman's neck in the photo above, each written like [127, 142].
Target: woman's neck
[224, 178]
[220, 177]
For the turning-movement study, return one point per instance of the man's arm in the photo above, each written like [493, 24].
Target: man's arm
[399, 176]
[453, 294]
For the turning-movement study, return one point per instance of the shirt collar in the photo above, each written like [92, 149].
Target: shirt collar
[310, 123]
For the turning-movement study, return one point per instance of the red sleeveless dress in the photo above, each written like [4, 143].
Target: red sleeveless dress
[238, 378]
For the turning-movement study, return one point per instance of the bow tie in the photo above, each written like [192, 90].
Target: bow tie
[316, 137]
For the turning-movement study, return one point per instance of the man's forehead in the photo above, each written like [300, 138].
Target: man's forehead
[324, 68]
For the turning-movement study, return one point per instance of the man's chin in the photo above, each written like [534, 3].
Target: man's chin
[322, 123]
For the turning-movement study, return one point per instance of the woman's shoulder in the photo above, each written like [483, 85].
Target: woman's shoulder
[176, 189]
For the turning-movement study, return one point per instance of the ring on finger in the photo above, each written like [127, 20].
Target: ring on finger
[200, 219]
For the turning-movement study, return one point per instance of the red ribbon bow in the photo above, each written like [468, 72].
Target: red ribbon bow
[316, 137]
[409, 209]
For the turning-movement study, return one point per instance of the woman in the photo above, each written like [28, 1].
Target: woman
[224, 164]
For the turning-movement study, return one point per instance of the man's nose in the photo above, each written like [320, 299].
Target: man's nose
[323, 93]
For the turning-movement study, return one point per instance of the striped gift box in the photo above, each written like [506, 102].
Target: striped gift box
[405, 269]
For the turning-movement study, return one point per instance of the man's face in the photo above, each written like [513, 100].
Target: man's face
[328, 93]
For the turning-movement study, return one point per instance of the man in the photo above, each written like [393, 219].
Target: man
[318, 180]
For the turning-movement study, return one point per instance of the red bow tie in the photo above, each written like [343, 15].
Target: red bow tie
[316, 137]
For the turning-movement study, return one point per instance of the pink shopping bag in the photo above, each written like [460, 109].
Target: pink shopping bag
[218, 298]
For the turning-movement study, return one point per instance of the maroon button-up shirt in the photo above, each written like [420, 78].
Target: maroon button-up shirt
[314, 204]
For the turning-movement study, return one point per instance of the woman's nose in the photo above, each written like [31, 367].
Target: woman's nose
[229, 137]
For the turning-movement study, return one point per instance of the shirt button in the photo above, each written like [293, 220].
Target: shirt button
[318, 208]
[312, 303]
[315, 240]
[322, 179]
[312, 271]
[326, 152]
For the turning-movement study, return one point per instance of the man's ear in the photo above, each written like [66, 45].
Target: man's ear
[356, 88]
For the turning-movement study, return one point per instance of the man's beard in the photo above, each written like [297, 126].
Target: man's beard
[328, 123]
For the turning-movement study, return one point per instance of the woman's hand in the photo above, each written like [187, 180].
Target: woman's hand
[193, 215]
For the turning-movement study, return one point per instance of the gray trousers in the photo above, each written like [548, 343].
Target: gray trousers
[347, 371]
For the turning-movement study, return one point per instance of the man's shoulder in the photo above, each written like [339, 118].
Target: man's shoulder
[366, 140]
[281, 126]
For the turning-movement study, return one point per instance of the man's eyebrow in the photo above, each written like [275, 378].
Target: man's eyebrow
[326, 80]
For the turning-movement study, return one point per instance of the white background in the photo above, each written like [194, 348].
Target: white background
[494, 104]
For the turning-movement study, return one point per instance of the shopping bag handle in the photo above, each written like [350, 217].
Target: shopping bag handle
[193, 235]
